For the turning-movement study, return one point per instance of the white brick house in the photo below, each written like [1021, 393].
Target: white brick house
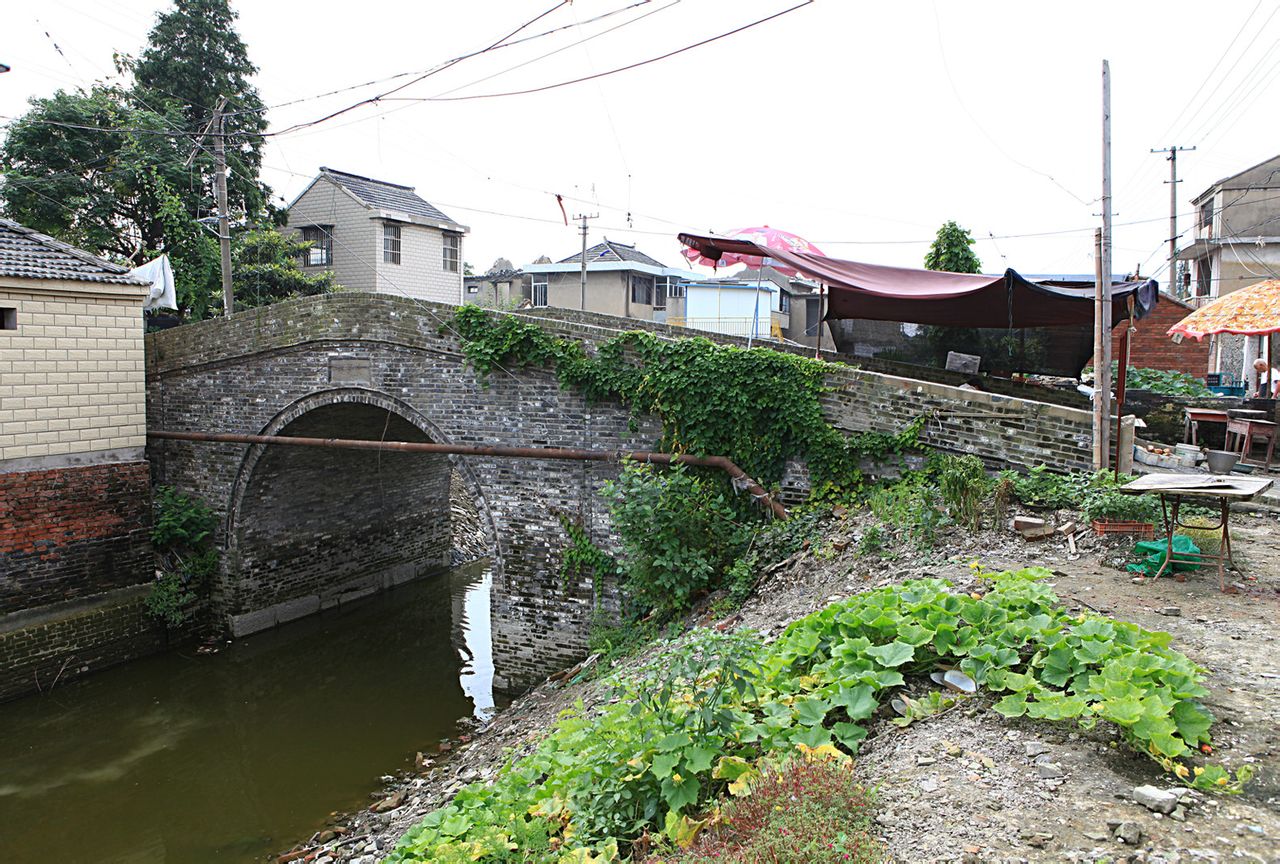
[378, 236]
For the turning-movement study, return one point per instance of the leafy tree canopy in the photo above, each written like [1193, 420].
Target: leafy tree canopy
[194, 56]
[951, 250]
[266, 269]
[103, 191]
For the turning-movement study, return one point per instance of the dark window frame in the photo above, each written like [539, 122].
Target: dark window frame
[8, 317]
[642, 286]
[321, 239]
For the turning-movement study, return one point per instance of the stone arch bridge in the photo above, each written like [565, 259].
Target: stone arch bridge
[302, 529]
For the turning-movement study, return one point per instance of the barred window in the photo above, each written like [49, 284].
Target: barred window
[391, 243]
[321, 239]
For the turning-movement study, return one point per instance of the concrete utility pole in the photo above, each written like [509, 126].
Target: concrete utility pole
[1102, 249]
[584, 217]
[217, 127]
[1173, 213]
[224, 219]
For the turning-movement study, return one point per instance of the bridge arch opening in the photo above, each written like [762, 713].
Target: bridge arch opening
[309, 528]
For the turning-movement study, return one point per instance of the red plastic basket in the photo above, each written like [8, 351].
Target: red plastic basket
[1143, 530]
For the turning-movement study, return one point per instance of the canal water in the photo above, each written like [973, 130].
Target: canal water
[186, 759]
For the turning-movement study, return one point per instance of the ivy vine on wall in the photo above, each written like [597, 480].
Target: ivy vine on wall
[757, 406]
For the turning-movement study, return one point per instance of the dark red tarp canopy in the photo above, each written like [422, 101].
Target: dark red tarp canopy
[879, 293]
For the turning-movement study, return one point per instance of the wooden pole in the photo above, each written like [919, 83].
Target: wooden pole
[1105, 388]
[1099, 336]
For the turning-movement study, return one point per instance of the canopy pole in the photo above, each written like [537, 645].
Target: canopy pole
[817, 352]
[755, 308]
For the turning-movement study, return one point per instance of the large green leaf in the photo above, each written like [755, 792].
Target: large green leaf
[892, 654]
[858, 702]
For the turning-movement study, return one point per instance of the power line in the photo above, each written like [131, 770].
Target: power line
[616, 70]
[434, 71]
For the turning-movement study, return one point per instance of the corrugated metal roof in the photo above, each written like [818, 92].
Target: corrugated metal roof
[28, 254]
[386, 196]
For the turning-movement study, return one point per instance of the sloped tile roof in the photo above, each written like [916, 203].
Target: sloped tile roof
[610, 250]
[386, 196]
[28, 254]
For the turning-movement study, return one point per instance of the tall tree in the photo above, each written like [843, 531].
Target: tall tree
[193, 58]
[952, 250]
[91, 169]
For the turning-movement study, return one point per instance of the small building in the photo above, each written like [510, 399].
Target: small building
[765, 304]
[621, 280]
[1151, 346]
[75, 500]
[378, 236]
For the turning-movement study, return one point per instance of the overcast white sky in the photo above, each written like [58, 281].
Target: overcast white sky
[860, 126]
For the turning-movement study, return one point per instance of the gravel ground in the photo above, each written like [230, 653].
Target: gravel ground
[969, 785]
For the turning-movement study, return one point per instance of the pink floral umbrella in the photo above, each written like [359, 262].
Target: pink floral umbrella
[762, 236]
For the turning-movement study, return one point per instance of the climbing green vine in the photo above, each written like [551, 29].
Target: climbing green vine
[757, 406]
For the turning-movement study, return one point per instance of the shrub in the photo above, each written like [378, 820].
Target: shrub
[810, 809]
[182, 535]
[966, 489]
[678, 532]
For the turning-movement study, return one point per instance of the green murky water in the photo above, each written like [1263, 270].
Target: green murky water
[187, 759]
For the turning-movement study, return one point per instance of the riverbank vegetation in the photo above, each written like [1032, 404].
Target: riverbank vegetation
[182, 537]
[717, 719]
[707, 718]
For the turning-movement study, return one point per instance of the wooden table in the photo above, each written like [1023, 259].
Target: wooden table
[1173, 488]
[1196, 416]
[1245, 430]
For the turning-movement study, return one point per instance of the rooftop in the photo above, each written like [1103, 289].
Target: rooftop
[611, 250]
[28, 254]
[384, 195]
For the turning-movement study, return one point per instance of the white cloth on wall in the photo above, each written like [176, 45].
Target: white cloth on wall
[160, 274]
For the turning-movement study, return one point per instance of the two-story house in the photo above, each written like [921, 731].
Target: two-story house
[1237, 243]
[378, 236]
[621, 280]
[1237, 234]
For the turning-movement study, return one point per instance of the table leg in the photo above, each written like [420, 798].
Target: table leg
[1271, 448]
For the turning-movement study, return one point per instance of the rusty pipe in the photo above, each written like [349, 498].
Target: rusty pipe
[723, 463]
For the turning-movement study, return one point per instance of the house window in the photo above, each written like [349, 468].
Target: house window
[660, 292]
[321, 252]
[540, 283]
[784, 302]
[675, 288]
[452, 247]
[391, 243]
[1204, 277]
[641, 289]
[1206, 217]
[8, 318]
[473, 288]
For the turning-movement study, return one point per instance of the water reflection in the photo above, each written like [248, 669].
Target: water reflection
[226, 758]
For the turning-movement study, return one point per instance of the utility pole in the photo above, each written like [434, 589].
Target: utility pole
[584, 217]
[1173, 214]
[224, 219]
[1102, 318]
[217, 127]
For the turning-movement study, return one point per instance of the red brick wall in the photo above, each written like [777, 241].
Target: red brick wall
[73, 532]
[1151, 348]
